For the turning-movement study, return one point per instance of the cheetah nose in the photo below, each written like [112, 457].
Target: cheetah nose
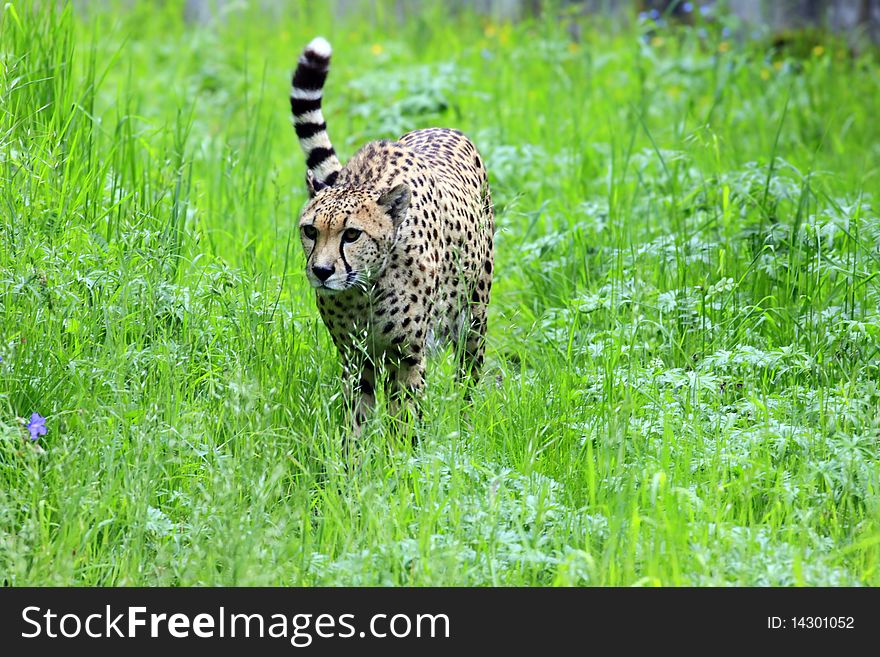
[322, 273]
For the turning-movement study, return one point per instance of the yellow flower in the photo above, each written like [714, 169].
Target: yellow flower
[765, 74]
[573, 47]
[377, 49]
[777, 65]
[489, 30]
[723, 46]
[818, 51]
[657, 41]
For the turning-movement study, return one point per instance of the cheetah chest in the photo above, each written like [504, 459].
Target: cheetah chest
[394, 317]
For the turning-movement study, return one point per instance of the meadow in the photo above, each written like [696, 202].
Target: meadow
[681, 384]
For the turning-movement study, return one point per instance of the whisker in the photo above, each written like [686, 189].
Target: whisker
[357, 279]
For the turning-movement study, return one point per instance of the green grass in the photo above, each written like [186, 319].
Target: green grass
[681, 382]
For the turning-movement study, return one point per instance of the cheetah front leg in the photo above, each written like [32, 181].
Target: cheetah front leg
[361, 393]
[407, 385]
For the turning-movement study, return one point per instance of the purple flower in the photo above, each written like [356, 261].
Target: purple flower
[37, 426]
[687, 7]
[655, 14]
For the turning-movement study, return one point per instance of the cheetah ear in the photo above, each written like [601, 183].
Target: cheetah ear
[396, 202]
[313, 184]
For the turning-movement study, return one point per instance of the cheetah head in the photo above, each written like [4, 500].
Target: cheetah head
[348, 233]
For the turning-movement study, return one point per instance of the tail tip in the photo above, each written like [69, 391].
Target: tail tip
[319, 46]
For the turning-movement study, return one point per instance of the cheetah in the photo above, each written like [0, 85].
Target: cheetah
[398, 246]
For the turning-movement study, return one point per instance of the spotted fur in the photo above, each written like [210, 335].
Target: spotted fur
[398, 245]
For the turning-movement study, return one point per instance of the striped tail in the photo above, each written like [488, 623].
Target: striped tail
[308, 120]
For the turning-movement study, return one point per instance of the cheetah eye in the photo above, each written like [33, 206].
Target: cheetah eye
[310, 232]
[351, 235]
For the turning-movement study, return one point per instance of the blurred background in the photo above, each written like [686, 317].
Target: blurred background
[858, 19]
